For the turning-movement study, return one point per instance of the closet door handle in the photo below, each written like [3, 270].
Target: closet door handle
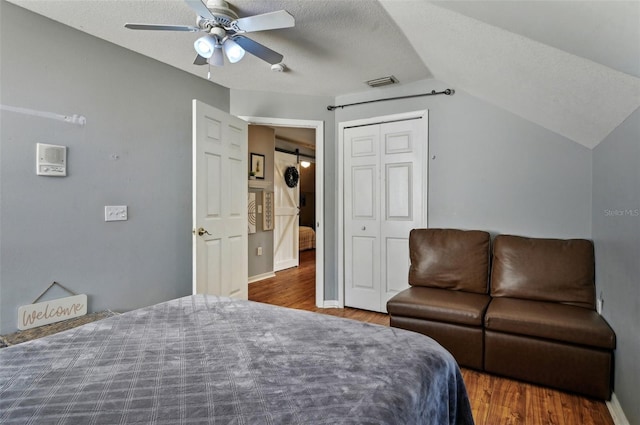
[364, 228]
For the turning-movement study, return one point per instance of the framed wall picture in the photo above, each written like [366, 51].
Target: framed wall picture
[267, 208]
[251, 213]
[257, 165]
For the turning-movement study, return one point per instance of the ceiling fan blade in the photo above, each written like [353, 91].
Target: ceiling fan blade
[200, 60]
[265, 21]
[162, 27]
[200, 8]
[258, 50]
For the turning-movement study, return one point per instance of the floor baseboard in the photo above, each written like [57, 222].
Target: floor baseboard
[617, 414]
[262, 276]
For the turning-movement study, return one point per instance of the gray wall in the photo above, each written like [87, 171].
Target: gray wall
[616, 233]
[308, 195]
[301, 107]
[262, 140]
[53, 228]
[490, 169]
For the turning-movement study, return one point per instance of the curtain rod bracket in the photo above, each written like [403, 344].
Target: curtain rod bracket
[448, 92]
[79, 120]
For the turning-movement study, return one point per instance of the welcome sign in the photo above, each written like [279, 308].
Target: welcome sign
[44, 313]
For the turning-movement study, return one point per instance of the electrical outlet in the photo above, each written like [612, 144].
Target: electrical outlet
[599, 304]
[115, 212]
[259, 250]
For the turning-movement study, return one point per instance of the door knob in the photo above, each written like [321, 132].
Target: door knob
[364, 227]
[201, 231]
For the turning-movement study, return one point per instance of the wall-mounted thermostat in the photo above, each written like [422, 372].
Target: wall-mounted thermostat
[51, 160]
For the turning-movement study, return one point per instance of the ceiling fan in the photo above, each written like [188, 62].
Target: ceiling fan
[225, 32]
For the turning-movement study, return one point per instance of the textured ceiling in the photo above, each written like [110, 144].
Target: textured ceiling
[333, 49]
[569, 66]
[606, 32]
[576, 97]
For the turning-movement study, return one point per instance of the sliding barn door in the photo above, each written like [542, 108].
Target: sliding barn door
[384, 198]
[286, 206]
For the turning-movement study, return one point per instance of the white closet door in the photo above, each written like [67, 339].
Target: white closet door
[402, 153]
[362, 217]
[383, 201]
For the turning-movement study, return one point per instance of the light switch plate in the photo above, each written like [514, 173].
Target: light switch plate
[115, 212]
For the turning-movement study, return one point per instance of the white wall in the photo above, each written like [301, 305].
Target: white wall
[53, 228]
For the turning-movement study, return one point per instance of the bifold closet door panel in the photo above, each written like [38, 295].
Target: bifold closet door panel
[402, 158]
[362, 217]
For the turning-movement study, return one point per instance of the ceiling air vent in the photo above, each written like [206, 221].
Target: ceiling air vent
[384, 81]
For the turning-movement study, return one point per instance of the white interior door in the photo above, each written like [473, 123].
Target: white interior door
[362, 217]
[286, 209]
[403, 157]
[384, 198]
[219, 203]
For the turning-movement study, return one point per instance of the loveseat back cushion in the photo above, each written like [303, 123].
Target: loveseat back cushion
[450, 259]
[551, 270]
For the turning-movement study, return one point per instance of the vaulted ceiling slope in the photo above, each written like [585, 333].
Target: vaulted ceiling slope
[503, 63]
[572, 67]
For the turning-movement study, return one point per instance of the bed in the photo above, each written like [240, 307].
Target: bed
[307, 238]
[204, 360]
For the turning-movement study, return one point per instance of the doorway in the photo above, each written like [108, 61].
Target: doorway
[286, 127]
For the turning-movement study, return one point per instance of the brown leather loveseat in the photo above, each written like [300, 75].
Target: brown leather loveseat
[531, 318]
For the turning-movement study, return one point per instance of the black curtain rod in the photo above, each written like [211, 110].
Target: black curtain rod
[448, 92]
[296, 152]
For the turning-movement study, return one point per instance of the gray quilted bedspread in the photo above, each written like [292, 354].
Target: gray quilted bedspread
[209, 360]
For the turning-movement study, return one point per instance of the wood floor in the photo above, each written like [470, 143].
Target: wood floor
[494, 400]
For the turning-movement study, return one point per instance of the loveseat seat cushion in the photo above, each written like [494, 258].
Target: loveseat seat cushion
[553, 321]
[450, 259]
[441, 305]
[553, 270]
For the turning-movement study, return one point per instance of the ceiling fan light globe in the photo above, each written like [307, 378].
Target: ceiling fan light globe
[233, 51]
[204, 46]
